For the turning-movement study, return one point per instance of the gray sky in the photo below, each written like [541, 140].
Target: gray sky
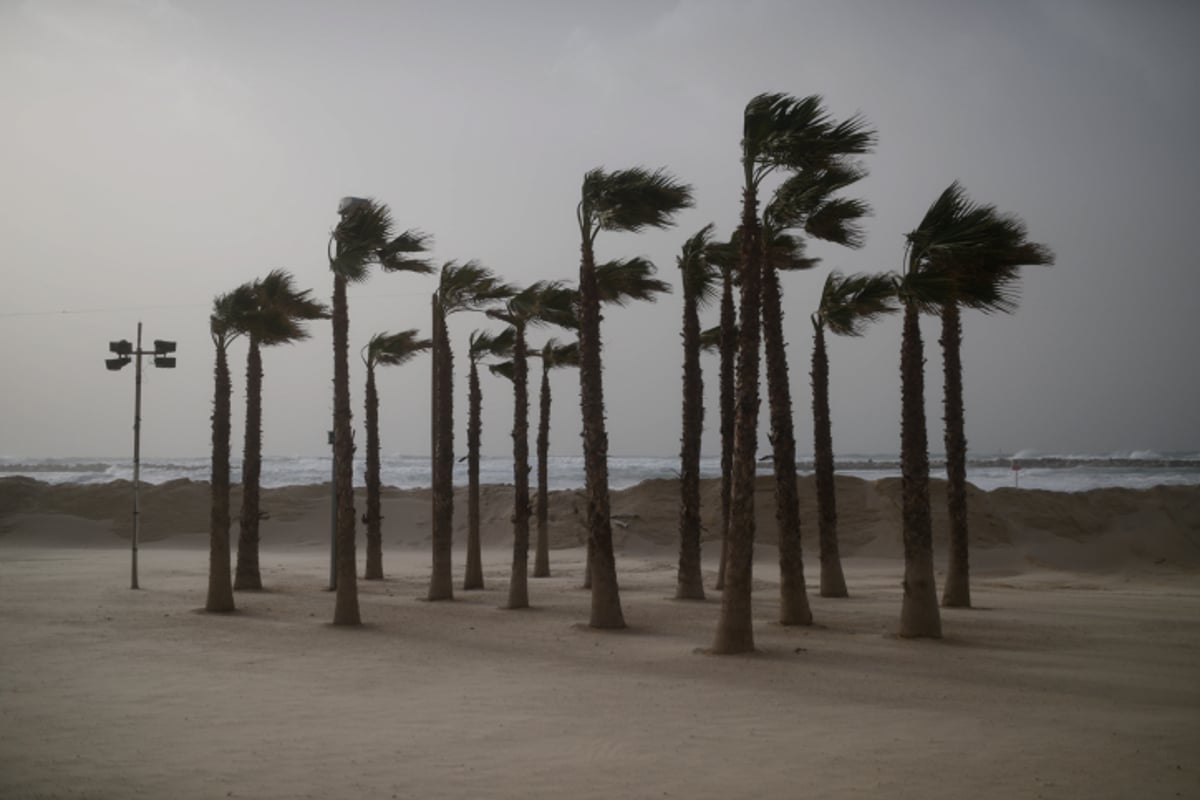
[158, 152]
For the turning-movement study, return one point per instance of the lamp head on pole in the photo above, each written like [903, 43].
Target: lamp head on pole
[349, 204]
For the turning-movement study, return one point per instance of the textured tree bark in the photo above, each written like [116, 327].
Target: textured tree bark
[441, 580]
[541, 561]
[473, 579]
[735, 629]
[793, 595]
[220, 583]
[957, 591]
[602, 572]
[833, 581]
[346, 606]
[247, 575]
[919, 616]
[689, 584]
[728, 356]
[374, 517]
[518, 586]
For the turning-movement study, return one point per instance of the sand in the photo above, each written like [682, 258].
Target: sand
[1077, 674]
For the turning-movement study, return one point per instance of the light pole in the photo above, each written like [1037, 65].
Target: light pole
[126, 353]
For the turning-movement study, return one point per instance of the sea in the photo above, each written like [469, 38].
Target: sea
[1027, 469]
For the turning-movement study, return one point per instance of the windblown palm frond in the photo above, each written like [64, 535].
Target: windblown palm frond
[701, 278]
[541, 303]
[504, 369]
[710, 340]
[470, 286]
[230, 311]
[555, 355]
[806, 200]
[625, 280]
[364, 230]
[485, 344]
[398, 254]
[785, 251]
[851, 302]
[780, 131]
[279, 310]
[631, 200]
[394, 349]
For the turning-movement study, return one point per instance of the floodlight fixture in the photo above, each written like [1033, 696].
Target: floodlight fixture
[167, 362]
[162, 347]
[115, 364]
[121, 348]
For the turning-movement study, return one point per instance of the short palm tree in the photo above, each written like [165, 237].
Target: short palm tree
[280, 309]
[224, 326]
[554, 356]
[468, 286]
[623, 200]
[700, 282]
[383, 350]
[482, 345]
[362, 237]
[848, 304]
[980, 263]
[779, 132]
[542, 303]
[618, 282]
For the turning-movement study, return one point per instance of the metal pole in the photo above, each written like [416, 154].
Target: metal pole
[137, 452]
[333, 519]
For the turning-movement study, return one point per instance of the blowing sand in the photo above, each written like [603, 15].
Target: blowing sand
[1077, 675]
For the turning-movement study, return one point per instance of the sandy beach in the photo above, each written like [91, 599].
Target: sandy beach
[1077, 674]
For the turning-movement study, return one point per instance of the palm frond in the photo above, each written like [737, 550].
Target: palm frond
[399, 255]
[394, 349]
[229, 311]
[470, 286]
[780, 131]
[701, 278]
[625, 280]
[710, 340]
[785, 251]
[485, 344]
[364, 230]
[851, 302]
[632, 199]
[541, 303]
[280, 309]
[555, 355]
[504, 369]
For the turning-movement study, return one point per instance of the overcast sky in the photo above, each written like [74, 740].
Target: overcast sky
[158, 152]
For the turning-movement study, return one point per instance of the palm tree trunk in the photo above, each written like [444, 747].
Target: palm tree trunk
[793, 595]
[541, 561]
[833, 582]
[346, 608]
[919, 612]
[248, 575]
[441, 581]
[957, 591]
[690, 582]
[220, 584]
[735, 628]
[606, 600]
[473, 579]
[728, 355]
[374, 518]
[518, 586]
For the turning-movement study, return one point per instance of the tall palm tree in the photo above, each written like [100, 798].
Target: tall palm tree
[482, 345]
[980, 265]
[618, 282]
[779, 132]
[699, 289]
[280, 309]
[362, 237]
[725, 256]
[848, 304]
[383, 350]
[805, 202]
[623, 200]
[468, 286]
[553, 356]
[224, 327]
[544, 302]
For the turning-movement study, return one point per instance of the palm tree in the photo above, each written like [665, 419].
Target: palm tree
[466, 286]
[848, 304]
[224, 327]
[362, 237]
[623, 200]
[804, 202]
[383, 350]
[554, 356]
[544, 302]
[724, 337]
[618, 282]
[279, 311]
[980, 263]
[482, 345]
[779, 132]
[699, 289]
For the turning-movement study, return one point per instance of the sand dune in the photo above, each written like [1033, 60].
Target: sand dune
[1075, 676]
